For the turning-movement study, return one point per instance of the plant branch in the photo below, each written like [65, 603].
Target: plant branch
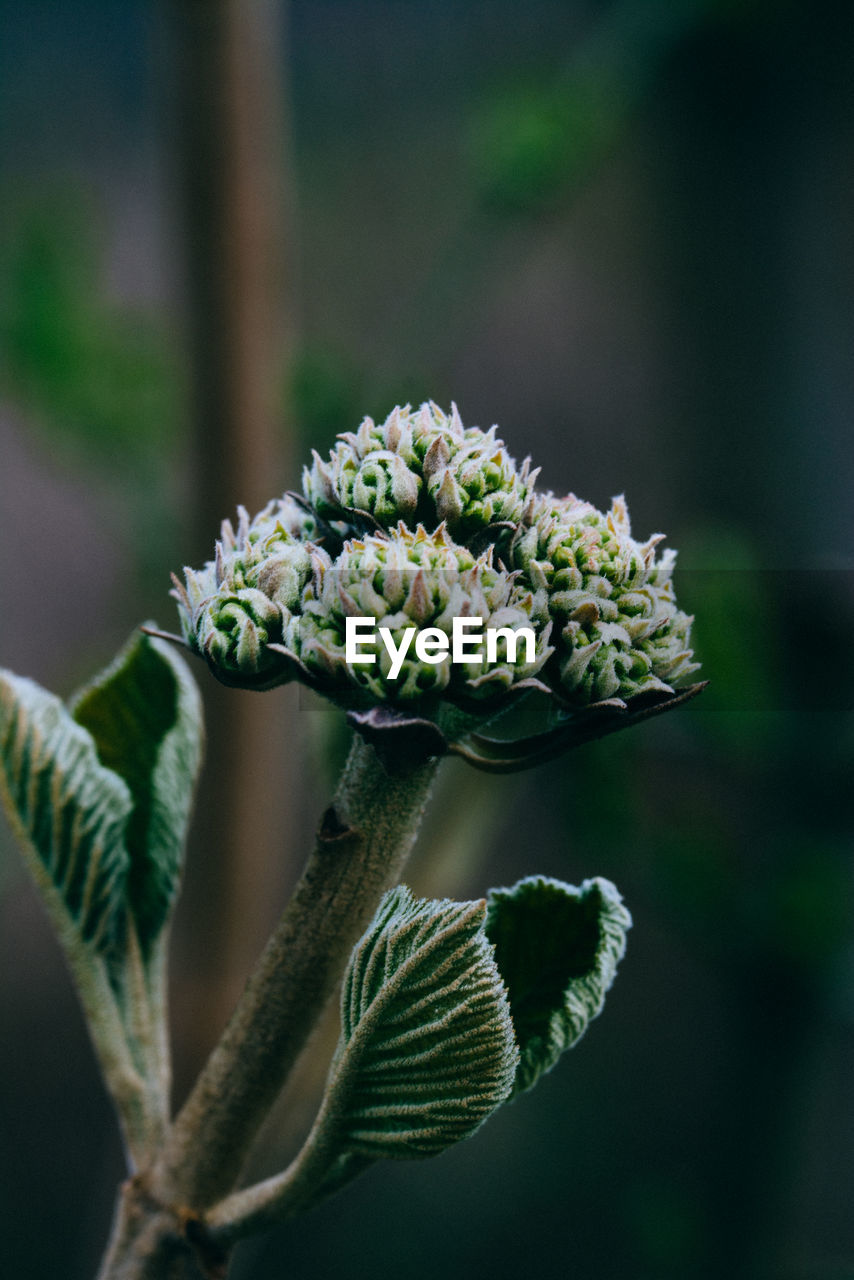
[266, 1203]
[124, 1082]
[145, 1013]
[153, 1241]
[364, 839]
[103, 1016]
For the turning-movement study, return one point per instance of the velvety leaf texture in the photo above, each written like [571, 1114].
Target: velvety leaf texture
[69, 811]
[427, 1049]
[144, 714]
[557, 948]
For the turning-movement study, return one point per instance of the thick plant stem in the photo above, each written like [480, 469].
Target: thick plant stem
[364, 839]
[151, 1241]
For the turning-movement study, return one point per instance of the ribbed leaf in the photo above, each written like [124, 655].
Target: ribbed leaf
[427, 1049]
[557, 948]
[144, 714]
[69, 811]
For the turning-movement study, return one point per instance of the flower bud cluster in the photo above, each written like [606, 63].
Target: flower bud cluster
[618, 631]
[404, 579]
[415, 522]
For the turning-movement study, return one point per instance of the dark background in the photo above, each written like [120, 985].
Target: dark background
[623, 231]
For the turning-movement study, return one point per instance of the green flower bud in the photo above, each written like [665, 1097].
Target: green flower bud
[288, 515]
[414, 581]
[242, 602]
[234, 629]
[422, 466]
[372, 472]
[620, 632]
[478, 485]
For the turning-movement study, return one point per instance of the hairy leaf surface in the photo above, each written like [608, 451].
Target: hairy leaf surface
[557, 948]
[427, 1049]
[69, 811]
[144, 714]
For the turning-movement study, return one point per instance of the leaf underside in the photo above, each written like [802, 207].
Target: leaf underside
[69, 810]
[557, 948]
[427, 1049]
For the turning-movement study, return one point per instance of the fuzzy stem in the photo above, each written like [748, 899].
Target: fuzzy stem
[144, 1013]
[258, 1207]
[151, 1241]
[131, 1093]
[364, 839]
[137, 1104]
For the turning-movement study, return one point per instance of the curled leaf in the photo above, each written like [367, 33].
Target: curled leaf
[427, 1049]
[557, 948]
[100, 794]
[68, 810]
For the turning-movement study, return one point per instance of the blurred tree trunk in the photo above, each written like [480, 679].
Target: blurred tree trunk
[226, 129]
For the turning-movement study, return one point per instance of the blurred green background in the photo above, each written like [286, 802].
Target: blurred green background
[624, 232]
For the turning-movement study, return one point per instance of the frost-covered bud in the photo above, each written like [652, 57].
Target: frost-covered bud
[234, 629]
[403, 583]
[618, 630]
[243, 601]
[373, 472]
[478, 485]
[421, 466]
[285, 515]
[668, 644]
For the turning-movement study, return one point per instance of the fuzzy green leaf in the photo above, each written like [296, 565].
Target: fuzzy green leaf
[427, 1050]
[69, 811]
[557, 948]
[144, 714]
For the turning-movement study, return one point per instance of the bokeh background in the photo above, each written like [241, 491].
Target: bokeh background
[623, 231]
